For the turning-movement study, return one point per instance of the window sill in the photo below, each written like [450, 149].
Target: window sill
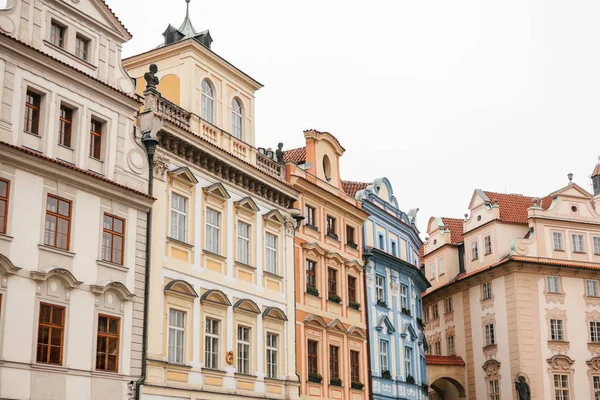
[243, 265]
[108, 264]
[487, 254]
[214, 371]
[37, 135]
[179, 242]
[210, 253]
[5, 237]
[333, 236]
[579, 252]
[73, 56]
[275, 380]
[50, 367]
[56, 250]
[96, 159]
[66, 161]
[490, 346]
[107, 373]
[352, 245]
[563, 341]
[312, 227]
[66, 147]
[561, 250]
[272, 275]
[180, 367]
[246, 376]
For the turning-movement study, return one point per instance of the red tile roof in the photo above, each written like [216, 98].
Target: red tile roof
[351, 187]
[295, 156]
[74, 168]
[513, 207]
[456, 229]
[596, 170]
[444, 360]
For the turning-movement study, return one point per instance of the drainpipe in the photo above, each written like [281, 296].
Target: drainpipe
[150, 144]
[299, 218]
[366, 256]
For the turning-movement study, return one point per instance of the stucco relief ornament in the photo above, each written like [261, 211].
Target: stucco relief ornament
[230, 358]
[370, 275]
[290, 226]
[150, 77]
[491, 367]
[594, 364]
[161, 164]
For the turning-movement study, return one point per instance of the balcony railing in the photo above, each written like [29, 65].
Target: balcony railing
[175, 114]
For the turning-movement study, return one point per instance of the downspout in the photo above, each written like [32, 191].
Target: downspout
[150, 144]
[366, 256]
[298, 218]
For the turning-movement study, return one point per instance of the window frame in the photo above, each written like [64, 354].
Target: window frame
[432, 271]
[334, 361]
[596, 386]
[579, 244]
[51, 327]
[65, 126]
[212, 244]
[557, 236]
[558, 284]
[331, 224]
[487, 244]
[408, 355]
[596, 245]
[448, 305]
[312, 358]
[384, 361]
[350, 234]
[311, 272]
[561, 392]
[60, 39]
[32, 112]
[178, 330]
[244, 246]
[435, 311]
[404, 304]
[474, 250]
[494, 389]
[310, 216]
[271, 253]
[114, 234]
[352, 289]
[58, 217]
[207, 102]
[594, 330]
[450, 342]
[557, 331]
[237, 119]
[486, 291]
[6, 200]
[394, 248]
[332, 282]
[244, 362]
[272, 354]
[595, 285]
[174, 222]
[489, 334]
[354, 366]
[211, 357]
[380, 288]
[79, 39]
[96, 133]
[441, 267]
[107, 336]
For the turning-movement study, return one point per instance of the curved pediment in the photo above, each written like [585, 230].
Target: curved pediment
[336, 256]
[336, 325]
[246, 305]
[560, 362]
[358, 332]
[274, 313]
[314, 247]
[181, 287]
[491, 367]
[215, 297]
[119, 288]
[355, 265]
[7, 267]
[315, 320]
[62, 274]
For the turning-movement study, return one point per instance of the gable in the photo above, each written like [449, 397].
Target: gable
[102, 14]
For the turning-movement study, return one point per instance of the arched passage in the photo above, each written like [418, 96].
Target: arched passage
[446, 388]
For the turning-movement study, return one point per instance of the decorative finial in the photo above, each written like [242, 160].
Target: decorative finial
[570, 176]
[187, 10]
[536, 202]
[495, 202]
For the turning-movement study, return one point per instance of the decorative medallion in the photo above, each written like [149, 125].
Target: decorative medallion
[230, 358]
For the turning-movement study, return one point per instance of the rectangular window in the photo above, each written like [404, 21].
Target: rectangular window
[351, 289]
[176, 336]
[271, 253]
[435, 311]
[58, 222]
[313, 367]
[380, 288]
[331, 226]
[552, 284]
[394, 249]
[4, 192]
[578, 243]
[403, 296]
[65, 126]
[332, 281]
[594, 331]
[213, 228]
[354, 366]
[57, 35]
[494, 389]
[309, 214]
[350, 234]
[451, 345]
[591, 288]
[32, 112]
[448, 305]
[488, 245]
[557, 241]
[474, 251]
[178, 217]
[81, 47]
[383, 355]
[442, 267]
[96, 139]
[243, 242]
[113, 237]
[311, 276]
[107, 343]
[408, 361]
[51, 330]
[437, 348]
[432, 271]
[486, 291]
[596, 245]
[561, 387]
[596, 380]
[381, 242]
[272, 355]
[243, 350]
[211, 343]
[489, 335]
[426, 314]
[334, 362]
[556, 329]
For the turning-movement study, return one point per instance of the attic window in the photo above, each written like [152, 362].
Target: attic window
[479, 218]
[574, 208]
[327, 167]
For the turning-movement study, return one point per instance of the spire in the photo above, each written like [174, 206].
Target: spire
[186, 31]
[186, 27]
[596, 179]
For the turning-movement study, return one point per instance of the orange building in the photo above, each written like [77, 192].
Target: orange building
[331, 338]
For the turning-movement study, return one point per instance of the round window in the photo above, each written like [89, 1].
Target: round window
[327, 167]
[574, 208]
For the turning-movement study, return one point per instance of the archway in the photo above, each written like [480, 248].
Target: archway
[446, 388]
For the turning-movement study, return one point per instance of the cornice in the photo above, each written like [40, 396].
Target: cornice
[373, 209]
[398, 264]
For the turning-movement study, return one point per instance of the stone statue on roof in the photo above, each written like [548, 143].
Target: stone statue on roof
[152, 80]
[279, 153]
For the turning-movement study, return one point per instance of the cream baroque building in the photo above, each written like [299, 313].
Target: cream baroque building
[515, 297]
[72, 204]
[222, 316]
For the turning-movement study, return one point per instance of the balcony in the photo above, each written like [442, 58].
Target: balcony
[176, 115]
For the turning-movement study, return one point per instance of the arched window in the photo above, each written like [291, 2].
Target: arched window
[207, 110]
[236, 119]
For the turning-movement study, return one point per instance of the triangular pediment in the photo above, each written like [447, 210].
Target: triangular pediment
[336, 325]
[573, 190]
[247, 204]
[183, 174]
[100, 13]
[274, 216]
[409, 330]
[218, 190]
[385, 323]
[355, 265]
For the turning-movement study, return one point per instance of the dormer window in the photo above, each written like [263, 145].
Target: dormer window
[207, 110]
[81, 47]
[57, 35]
[237, 119]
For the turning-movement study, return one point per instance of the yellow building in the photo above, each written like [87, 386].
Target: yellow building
[221, 316]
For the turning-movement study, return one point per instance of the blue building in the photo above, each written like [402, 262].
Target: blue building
[394, 283]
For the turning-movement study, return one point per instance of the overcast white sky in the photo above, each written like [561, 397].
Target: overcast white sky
[441, 97]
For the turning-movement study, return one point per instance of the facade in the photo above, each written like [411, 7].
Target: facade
[517, 282]
[394, 284]
[73, 204]
[331, 341]
[222, 266]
